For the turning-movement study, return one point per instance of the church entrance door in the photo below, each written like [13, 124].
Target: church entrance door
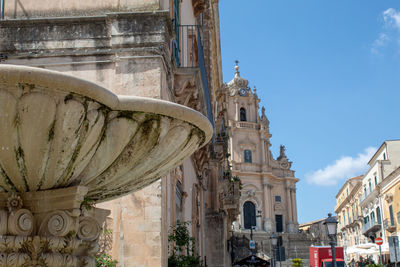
[249, 213]
[279, 223]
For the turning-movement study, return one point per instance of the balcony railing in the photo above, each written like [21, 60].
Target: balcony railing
[189, 53]
[371, 226]
[188, 39]
[249, 125]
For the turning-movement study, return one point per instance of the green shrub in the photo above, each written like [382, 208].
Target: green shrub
[105, 260]
[182, 244]
[297, 262]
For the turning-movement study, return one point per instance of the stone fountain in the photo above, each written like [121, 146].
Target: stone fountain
[66, 144]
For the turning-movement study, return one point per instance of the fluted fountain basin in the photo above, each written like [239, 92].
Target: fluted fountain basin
[58, 131]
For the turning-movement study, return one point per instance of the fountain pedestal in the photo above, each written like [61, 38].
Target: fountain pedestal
[49, 228]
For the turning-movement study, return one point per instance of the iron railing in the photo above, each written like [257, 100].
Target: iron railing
[186, 54]
[371, 225]
[190, 54]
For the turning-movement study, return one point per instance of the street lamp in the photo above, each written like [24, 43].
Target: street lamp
[274, 242]
[331, 228]
[277, 244]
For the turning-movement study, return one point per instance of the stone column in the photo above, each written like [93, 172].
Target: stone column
[49, 228]
[289, 222]
[231, 144]
[237, 110]
[294, 206]
[262, 150]
[268, 222]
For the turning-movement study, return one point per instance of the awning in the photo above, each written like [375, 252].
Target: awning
[367, 249]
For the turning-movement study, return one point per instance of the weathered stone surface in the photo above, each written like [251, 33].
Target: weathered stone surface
[83, 134]
[39, 229]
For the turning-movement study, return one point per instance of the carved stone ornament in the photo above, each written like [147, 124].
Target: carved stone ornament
[66, 235]
[278, 206]
[250, 193]
[14, 202]
[198, 6]
[389, 198]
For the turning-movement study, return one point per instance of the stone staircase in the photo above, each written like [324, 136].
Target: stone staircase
[296, 245]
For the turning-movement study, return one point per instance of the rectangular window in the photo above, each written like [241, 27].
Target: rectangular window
[391, 215]
[279, 223]
[247, 156]
[376, 180]
[278, 199]
[372, 215]
[378, 215]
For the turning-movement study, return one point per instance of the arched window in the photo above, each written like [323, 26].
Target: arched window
[243, 114]
[249, 214]
[247, 156]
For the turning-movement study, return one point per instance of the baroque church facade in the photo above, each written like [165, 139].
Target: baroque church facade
[268, 194]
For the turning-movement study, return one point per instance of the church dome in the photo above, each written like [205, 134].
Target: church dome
[237, 82]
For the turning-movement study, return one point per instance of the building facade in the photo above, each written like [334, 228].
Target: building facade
[390, 195]
[268, 199]
[366, 206]
[267, 203]
[383, 162]
[349, 216]
[165, 49]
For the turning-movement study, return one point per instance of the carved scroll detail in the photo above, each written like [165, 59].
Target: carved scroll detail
[21, 222]
[89, 229]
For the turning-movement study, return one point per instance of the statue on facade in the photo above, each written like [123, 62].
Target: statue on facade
[282, 154]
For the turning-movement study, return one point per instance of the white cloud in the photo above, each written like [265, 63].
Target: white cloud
[390, 30]
[342, 169]
[379, 42]
[392, 18]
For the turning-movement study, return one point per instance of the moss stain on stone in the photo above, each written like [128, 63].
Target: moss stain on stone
[51, 131]
[125, 114]
[7, 180]
[19, 155]
[16, 120]
[21, 86]
[68, 97]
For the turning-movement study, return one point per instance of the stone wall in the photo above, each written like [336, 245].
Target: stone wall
[127, 54]
[50, 8]
[136, 227]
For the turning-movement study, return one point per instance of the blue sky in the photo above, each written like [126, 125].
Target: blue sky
[328, 74]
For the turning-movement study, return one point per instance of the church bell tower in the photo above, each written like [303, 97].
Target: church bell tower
[268, 195]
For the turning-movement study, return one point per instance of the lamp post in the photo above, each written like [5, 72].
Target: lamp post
[331, 228]
[274, 242]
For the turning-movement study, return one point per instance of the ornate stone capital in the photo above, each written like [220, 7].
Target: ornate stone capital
[38, 229]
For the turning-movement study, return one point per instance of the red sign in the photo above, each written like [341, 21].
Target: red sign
[378, 241]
